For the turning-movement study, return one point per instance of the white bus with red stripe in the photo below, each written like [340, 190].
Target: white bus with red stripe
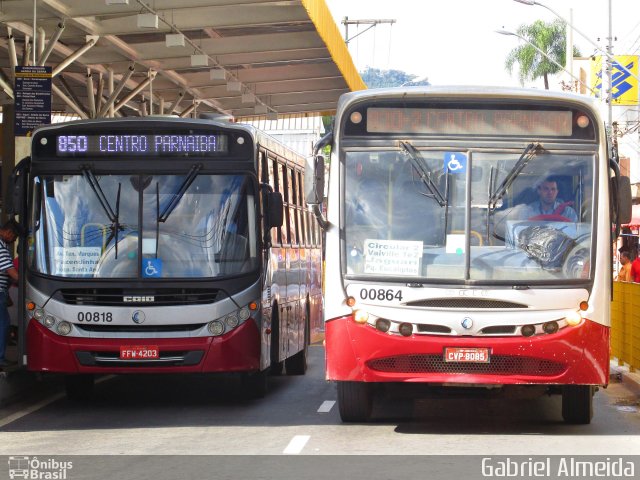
[440, 270]
[165, 245]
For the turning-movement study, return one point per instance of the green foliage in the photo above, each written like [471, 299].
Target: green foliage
[548, 37]
[376, 78]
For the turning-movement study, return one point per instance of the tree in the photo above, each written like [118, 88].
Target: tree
[548, 37]
[376, 78]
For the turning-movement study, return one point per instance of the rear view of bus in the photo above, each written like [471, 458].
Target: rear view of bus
[469, 243]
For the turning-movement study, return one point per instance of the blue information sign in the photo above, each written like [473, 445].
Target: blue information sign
[32, 98]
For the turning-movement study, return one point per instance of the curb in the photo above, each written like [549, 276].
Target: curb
[622, 373]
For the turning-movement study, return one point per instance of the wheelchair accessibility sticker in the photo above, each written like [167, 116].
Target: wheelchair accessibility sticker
[152, 268]
[455, 162]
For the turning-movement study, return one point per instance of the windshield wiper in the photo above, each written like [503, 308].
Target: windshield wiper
[95, 186]
[114, 217]
[157, 217]
[191, 176]
[419, 163]
[528, 153]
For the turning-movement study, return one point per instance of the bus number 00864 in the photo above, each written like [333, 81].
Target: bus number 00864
[381, 294]
[95, 316]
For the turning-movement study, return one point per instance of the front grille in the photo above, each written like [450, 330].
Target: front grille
[499, 330]
[433, 329]
[499, 365]
[464, 303]
[140, 328]
[117, 296]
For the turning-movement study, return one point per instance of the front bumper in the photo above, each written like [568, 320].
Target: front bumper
[236, 351]
[573, 355]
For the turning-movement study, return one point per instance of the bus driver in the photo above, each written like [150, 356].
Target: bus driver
[548, 205]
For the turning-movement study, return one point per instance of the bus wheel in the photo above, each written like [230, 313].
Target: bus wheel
[577, 404]
[355, 401]
[255, 385]
[79, 387]
[297, 364]
[276, 365]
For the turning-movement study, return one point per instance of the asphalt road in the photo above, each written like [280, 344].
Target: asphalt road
[198, 415]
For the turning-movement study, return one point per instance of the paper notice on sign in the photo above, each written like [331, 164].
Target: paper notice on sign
[76, 260]
[392, 257]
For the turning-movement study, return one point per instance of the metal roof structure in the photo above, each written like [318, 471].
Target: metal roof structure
[241, 58]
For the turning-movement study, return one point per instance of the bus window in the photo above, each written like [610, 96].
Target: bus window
[284, 189]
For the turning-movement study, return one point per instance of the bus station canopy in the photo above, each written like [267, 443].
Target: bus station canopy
[237, 57]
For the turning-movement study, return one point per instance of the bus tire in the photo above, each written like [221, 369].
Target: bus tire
[297, 364]
[577, 404]
[276, 365]
[355, 401]
[79, 387]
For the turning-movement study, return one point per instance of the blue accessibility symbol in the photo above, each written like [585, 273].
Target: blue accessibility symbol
[455, 162]
[152, 268]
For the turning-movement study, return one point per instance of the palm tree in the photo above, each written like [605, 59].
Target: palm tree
[548, 37]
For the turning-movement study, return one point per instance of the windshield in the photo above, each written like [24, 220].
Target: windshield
[432, 215]
[149, 226]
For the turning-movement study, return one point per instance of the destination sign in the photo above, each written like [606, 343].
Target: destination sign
[140, 145]
[461, 121]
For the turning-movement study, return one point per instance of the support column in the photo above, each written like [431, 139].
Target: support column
[14, 148]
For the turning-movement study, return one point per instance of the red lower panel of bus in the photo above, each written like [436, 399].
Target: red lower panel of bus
[574, 355]
[236, 351]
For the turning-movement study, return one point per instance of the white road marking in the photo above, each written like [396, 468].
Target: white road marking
[326, 406]
[23, 413]
[34, 408]
[296, 444]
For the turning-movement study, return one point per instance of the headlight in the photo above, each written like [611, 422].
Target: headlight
[360, 316]
[244, 313]
[38, 314]
[49, 321]
[232, 320]
[64, 328]
[216, 327]
[574, 318]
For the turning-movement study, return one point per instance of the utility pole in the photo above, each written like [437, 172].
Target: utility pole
[609, 61]
[372, 23]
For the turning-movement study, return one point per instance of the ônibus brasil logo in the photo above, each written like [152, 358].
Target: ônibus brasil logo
[38, 469]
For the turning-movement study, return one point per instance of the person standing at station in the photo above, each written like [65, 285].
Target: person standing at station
[8, 274]
[625, 270]
[635, 269]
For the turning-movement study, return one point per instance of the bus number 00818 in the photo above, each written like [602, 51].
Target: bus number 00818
[95, 316]
[381, 294]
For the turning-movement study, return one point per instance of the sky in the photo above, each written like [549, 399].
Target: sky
[453, 42]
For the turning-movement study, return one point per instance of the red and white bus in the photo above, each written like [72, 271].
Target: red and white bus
[444, 262]
[165, 245]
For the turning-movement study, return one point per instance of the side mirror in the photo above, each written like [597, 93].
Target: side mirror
[276, 209]
[314, 180]
[624, 200]
[15, 201]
